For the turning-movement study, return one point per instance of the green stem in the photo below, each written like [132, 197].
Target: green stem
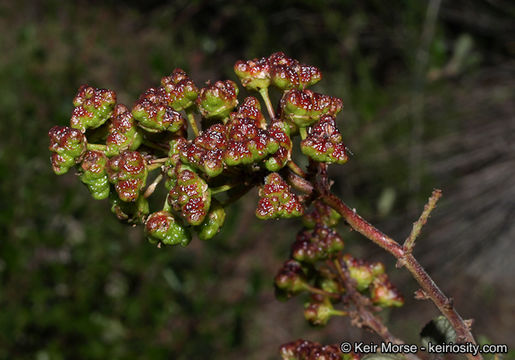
[303, 133]
[166, 206]
[223, 188]
[318, 291]
[191, 120]
[154, 166]
[268, 103]
[96, 147]
[155, 146]
[152, 187]
[339, 312]
[159, 160]
[296, 169]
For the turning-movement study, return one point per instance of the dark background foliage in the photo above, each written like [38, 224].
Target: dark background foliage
[428, 103]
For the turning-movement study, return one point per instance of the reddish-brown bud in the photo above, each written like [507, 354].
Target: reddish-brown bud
[153, 113]
[384, 293]
[324, 142]
[189, 195]
[206, 151]
[92, 107]
[123, 133]
[305, 107]
[181, 90]
[218, 100]
[67, 145]
[277, 200]
[128, 173]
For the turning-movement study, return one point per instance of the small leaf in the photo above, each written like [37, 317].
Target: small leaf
[438, 331]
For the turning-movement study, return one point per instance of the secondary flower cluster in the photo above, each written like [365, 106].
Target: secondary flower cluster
[307, 271]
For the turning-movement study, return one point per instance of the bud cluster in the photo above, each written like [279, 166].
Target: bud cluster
[316, 245]
[115, 149]
[313, 269]
[370, 278]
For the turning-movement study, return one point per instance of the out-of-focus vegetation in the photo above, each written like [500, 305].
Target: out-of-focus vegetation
[74, 283]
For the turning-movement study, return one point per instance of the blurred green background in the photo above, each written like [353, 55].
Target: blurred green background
[428, 90]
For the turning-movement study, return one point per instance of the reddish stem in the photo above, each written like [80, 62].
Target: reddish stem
[442, 302]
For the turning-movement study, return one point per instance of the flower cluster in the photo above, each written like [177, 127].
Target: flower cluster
[128, 173]
[115, 149]
[316, 268]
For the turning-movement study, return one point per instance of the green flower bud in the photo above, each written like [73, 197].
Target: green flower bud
[94, 174]
[321, 214]
[251, 108]
[248, 142]
[328, 239]
[162, 227]
[189, 195]
[279, 132]
[305, 251]
[384, 293]
[67, 145]
[128, 173]
[324, 142]
[92, 107]
[288, 73]
[291, 278]
[218, 100]
[277, 200]
[154, 115]
[305, 107]
[180, 89]
[329, 285]
[318, 313]
[254, 74]
[212, 223]
[206, 151]
[317, 244]
[123, 133]
[363, 272]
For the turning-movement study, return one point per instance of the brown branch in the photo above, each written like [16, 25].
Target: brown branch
[442, 302]
[362, 304]
[417, 226]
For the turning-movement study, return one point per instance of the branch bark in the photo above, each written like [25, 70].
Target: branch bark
[433, 292]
